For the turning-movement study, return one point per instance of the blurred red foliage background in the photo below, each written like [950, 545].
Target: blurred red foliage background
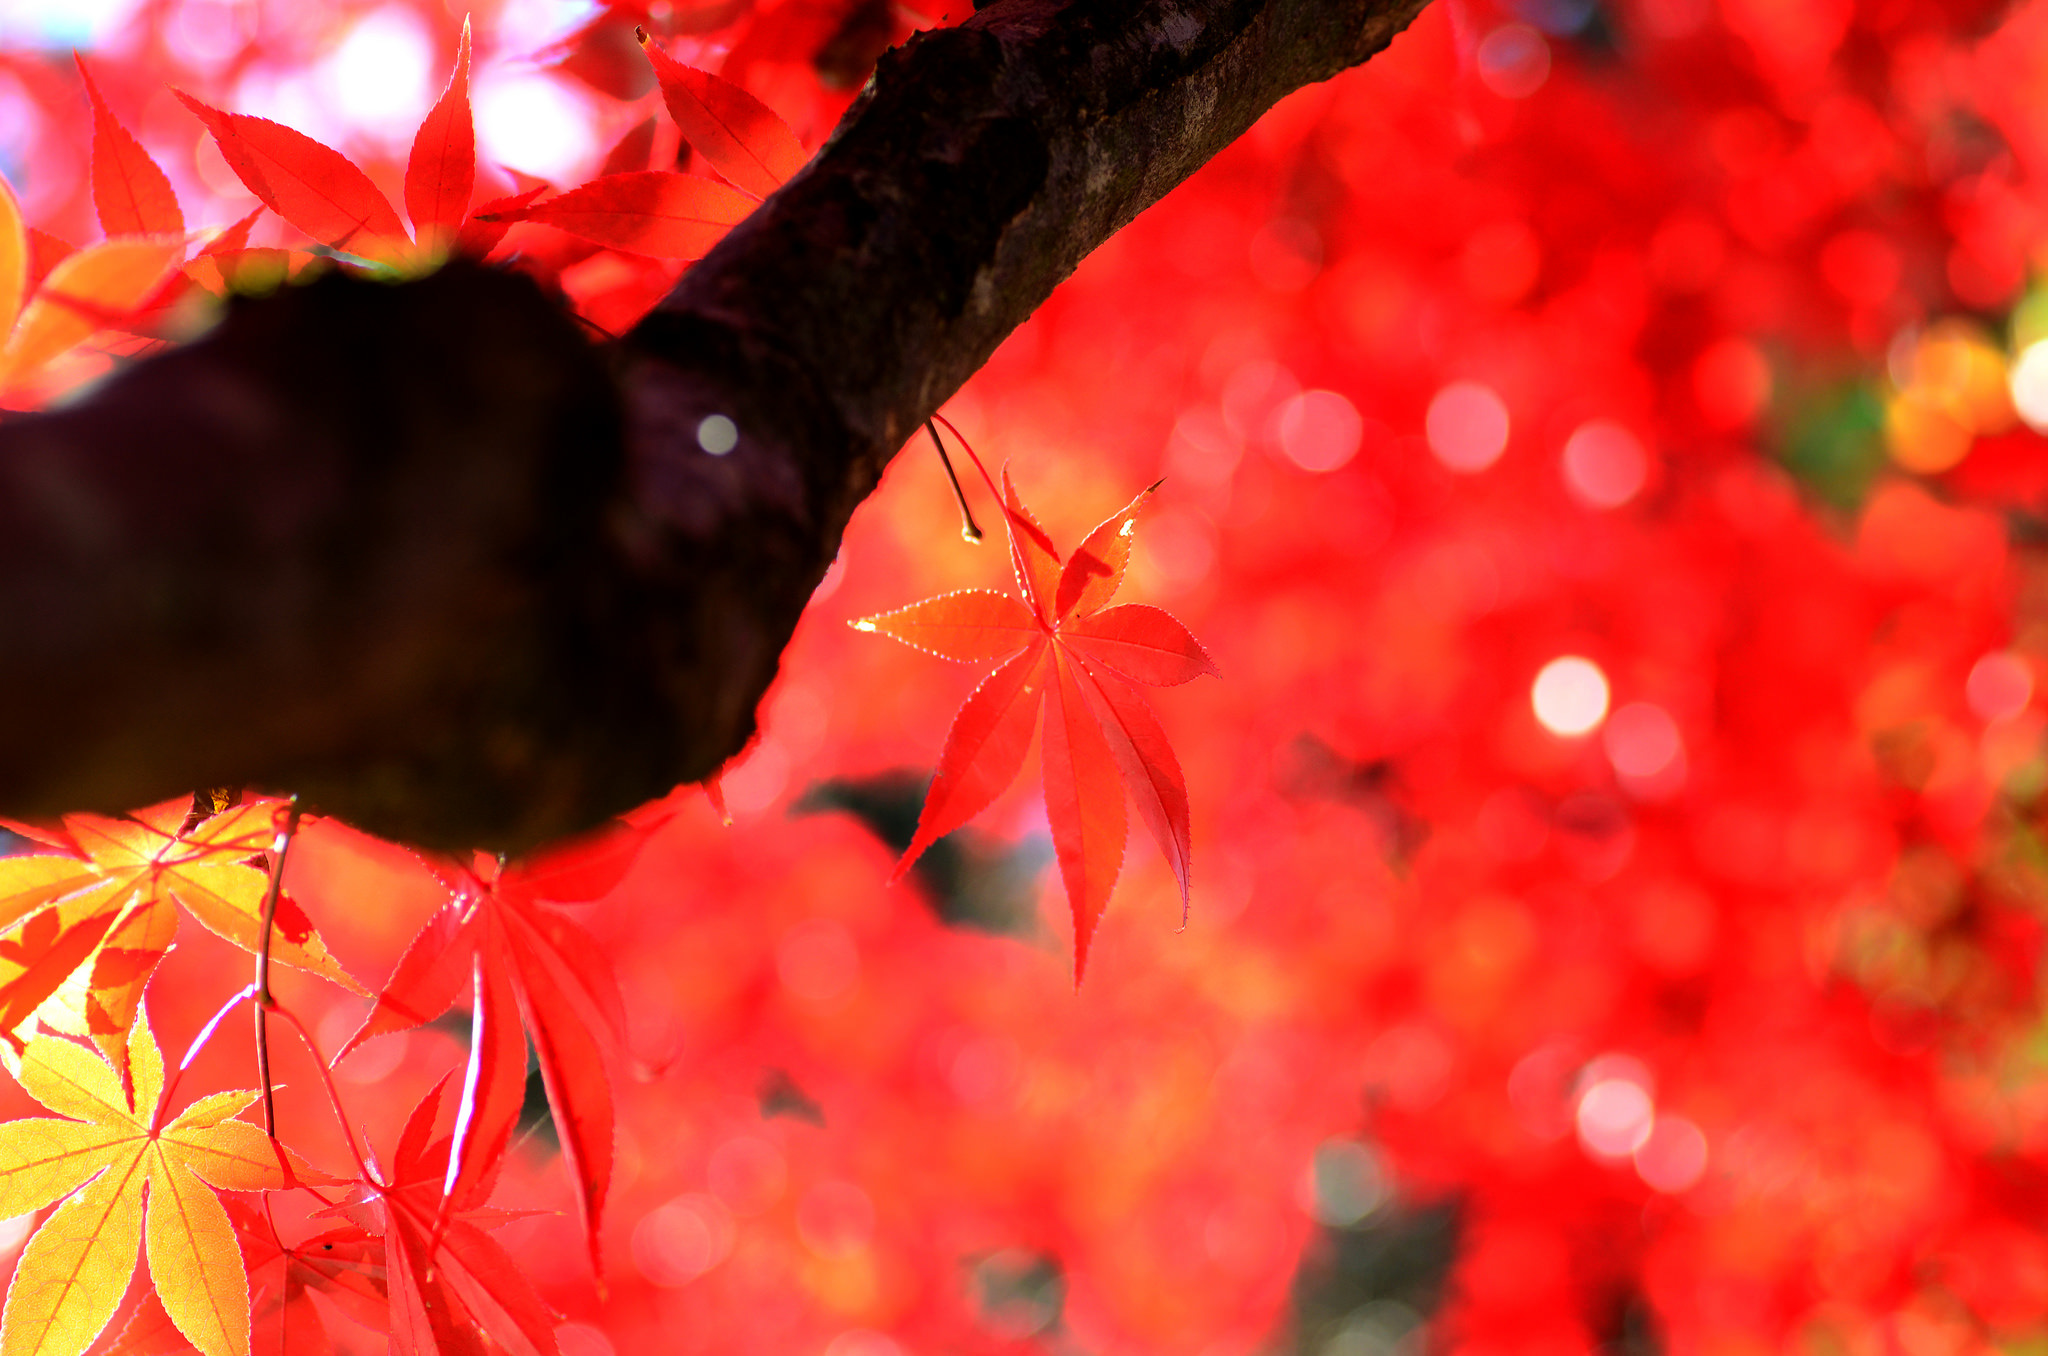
[1599, 451]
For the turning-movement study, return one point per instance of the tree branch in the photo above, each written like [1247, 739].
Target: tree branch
[415, 553]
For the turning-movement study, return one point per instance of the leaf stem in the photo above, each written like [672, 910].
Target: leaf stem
[333, 1093]
[1018, 522]
[264, 1002]
[968, 527]
[968, 448]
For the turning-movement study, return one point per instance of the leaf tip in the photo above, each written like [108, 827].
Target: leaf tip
[863, 624]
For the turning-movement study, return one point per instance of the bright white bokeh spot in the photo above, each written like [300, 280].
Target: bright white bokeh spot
[1346, 1183]
[1604, 466]
[717, 434]
[2000, 686]
[1570, 696]
[381, 76]
[62, 23]
[1320, 430]
[1673, 1156]
[532, 123]
[1514, 61]
[1642, 740]
[675, 1243]
[1615, 1117]
[2029, 378]
[1467, 427]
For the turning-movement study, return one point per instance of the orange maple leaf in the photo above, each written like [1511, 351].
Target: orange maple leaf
[1065, 649]
[93, 922]
[118, 1161]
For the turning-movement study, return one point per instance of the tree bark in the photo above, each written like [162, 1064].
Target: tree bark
[426, 557]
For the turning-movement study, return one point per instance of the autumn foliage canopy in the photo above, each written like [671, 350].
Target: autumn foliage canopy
[1593, 897]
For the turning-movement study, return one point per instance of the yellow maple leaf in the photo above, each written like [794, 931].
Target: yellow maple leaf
[129, 1176]
[81, 932]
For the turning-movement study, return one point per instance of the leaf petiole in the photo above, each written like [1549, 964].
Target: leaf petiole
[280, 849]
[969, 529]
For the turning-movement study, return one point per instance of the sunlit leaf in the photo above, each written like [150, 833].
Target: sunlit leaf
[740, 136]
[129, 189]
[441, 173]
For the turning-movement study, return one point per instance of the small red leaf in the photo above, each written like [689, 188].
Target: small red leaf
[579, 1094]
[411, 1161]
[1096, 568]
[45, 252]
[1150, 771]
[579, 959]
[653, 212]
[1141, 643]
[493, 1087]
[984, 749]
[1031, 554]
[235, 237]
[441, 174]
[495, 1291]
[742, 137]
[487, 225]
[314, 187]
[1084, 803]
[130, 191]
[580, 870]
[633, 151]
[429, 978]
[970, 625]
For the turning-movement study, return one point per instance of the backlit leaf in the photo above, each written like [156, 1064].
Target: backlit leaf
[1032, 556]
[100, 287]
[654, 212]
[1141, 643]
[13, 258]
[1096, 568]
[441, 174]
[1084, 802]
[1101, 738]
[984, 749]
[1150, 771]
[129, 189]
[740, 136]
[314, 187]
[971, 625]
[112, 907]
[572, 1072]
[77, 1265]
[517, 960]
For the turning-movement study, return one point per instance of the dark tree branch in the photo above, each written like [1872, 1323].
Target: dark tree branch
[416, 554]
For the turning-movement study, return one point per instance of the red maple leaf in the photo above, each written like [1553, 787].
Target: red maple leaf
[1063, 649]
[522, 963]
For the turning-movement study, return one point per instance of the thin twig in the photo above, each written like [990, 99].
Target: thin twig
[968, 527]
[281, 848]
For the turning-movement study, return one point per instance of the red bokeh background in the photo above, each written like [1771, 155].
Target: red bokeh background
[1685, 337]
